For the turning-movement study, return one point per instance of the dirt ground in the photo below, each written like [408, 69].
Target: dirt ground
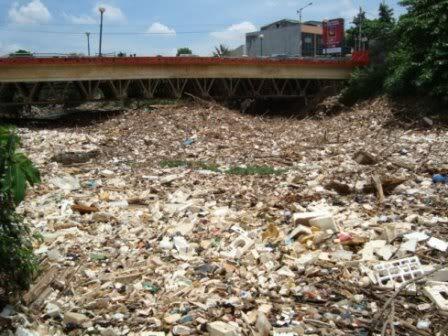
[149, 233]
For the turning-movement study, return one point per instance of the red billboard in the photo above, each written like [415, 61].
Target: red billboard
[333, 36]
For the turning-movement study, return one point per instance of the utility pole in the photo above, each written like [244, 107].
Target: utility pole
[360, 30]
[300, 12]
[88, 43]
[102, 10]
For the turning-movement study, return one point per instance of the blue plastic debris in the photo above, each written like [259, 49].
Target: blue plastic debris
[91, 184]
[189, 142]
[440, 178]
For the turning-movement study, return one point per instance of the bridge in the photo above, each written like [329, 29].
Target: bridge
[28, 81]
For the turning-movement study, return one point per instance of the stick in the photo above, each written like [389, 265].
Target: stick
[201, 101]
[38, 288]
[379, 188]
[414, 329]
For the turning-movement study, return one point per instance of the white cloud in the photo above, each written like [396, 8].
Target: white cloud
[158, 28]
[112, 14]
[8, 48]
[33, 12]
[81, 19]
[235, 32]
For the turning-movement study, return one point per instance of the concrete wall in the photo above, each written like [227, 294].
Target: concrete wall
[277, 40]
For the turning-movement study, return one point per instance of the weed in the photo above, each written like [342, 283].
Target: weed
[190, 164]
[173, 163]
[255, 170]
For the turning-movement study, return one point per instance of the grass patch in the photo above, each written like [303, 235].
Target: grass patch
[157, 101]
[173, 163]
[255, 170]
[205, 166]
[198, 165]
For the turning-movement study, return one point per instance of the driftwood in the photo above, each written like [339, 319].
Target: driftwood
[69, 158]
[388, 184]
[84, 209]
[379, 188]
[40, 286]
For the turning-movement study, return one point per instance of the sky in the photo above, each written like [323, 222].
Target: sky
[154, 27]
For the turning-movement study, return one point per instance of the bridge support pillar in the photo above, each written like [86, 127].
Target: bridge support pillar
[204, 86]
[148, 87]
[177, 86]
[89, 89]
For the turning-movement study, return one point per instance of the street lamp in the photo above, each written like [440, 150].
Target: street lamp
[102, 10]
[88, 43]
[261, 36]
[300, 11]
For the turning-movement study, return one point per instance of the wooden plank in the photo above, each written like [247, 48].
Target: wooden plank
[41, 285]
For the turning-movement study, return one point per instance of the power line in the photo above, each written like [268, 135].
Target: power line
[6, 23]
[110, 33]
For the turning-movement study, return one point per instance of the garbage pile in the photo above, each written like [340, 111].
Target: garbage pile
[192, 220]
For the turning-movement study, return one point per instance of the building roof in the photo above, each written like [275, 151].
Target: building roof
[284, 21]
[312, 26]
[313, 23]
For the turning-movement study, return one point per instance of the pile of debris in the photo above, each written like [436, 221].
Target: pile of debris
[190, 220]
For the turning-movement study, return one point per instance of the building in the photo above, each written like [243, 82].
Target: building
[282, 38]
[238, 52]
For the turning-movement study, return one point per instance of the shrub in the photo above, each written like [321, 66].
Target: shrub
[419, 59]
[410, 57]
[17, 261]
[364, 83]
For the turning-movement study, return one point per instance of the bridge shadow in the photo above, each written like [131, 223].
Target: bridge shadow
[67, 119]
[271, 108]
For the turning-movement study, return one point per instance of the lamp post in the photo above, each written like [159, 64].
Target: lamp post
[300, 12]
[102, 10]
[88, 43]
[261, 36]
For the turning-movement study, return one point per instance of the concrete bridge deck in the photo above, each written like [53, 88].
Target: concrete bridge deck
[29, 69]
[28, 81]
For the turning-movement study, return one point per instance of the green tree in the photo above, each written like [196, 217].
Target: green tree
[386, 14]
[352, 33]
[419, 61]
[21, 52]
[372, 29]
[184, 51]
[222, 51]
[368, 82]
[17, 262]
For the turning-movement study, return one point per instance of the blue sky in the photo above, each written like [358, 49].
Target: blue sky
[152, 27]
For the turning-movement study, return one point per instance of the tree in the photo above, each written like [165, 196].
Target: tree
[21, 52]
[352, 34]
[375, 29]
[222, 51]
[184, 51]
[419, 61]
[416, 54]
[17, 261]
[386, 14]
[369, 81]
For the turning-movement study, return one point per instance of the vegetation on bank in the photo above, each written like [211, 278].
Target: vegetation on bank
[184, 51]
[409, 56]
[17, 261]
